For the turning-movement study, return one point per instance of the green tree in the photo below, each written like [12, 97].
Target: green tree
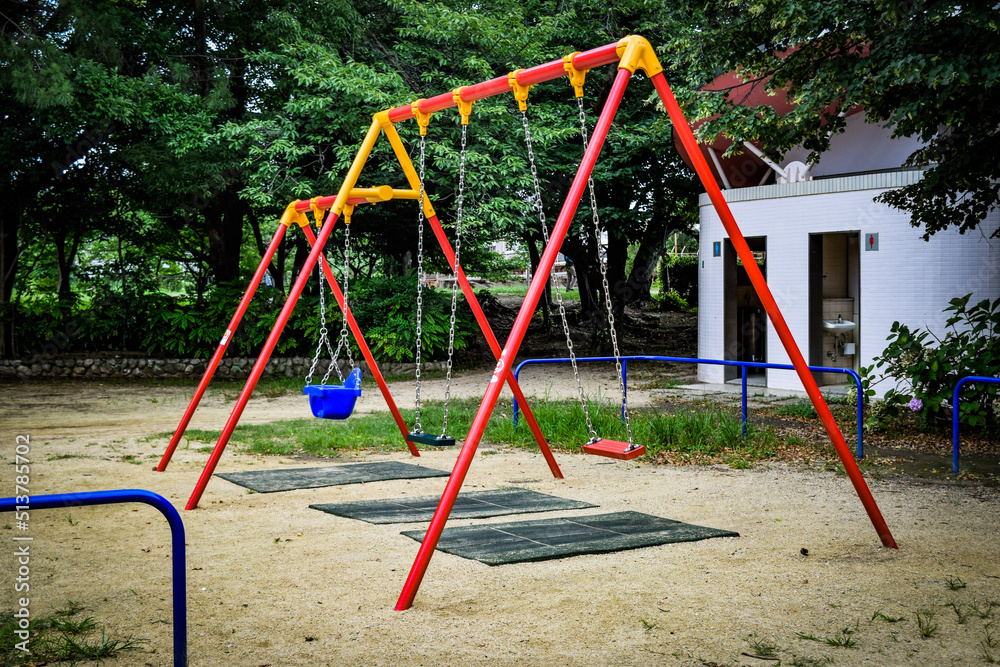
[925, 68]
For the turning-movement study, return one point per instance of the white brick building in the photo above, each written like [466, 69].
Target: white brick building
[829, 251]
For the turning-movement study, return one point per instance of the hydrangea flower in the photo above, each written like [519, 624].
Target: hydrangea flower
[916, 405]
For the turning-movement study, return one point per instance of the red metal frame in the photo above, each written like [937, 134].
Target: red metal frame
[517, 332]
[771, 306]
[262, 359]
[289, 306]
[220, 351]
[581, 61]
[261, 363]
[584, 61]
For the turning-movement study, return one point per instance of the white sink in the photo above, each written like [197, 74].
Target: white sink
[837, 327]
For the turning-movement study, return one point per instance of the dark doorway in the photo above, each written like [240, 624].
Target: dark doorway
[746, 321]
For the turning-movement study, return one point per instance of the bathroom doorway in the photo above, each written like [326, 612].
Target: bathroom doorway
[745, 319]
[834, 303]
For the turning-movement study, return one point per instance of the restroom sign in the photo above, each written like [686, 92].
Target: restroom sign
[871, 241]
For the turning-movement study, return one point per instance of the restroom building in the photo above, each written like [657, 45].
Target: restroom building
[842, 268]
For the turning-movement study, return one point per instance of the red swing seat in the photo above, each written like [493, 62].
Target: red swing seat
[614, 449]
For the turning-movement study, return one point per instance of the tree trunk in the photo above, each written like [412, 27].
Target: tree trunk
[224, 228]
[533, 259]
[617, 260]
[640, 279]
[272, 269]
[587, 275]
[65, 258]
[302, 250]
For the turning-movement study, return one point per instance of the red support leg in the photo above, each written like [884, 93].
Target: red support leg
[507, 355]
[220, 351]
[258, 367]
[760, 285]
[365, 351]
[484, 325]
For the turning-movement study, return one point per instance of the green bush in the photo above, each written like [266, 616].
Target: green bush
[926, 368]
[679, 282]
[385, 308]
[142, 319]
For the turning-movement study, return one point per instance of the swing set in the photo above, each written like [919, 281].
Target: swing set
[630, 54]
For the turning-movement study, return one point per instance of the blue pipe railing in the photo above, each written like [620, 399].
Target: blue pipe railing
[744, 365]
[954, 414]
[60, 500]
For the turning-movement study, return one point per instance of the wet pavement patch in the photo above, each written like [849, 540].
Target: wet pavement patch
[288, 479]
[544, 539]
[472, 505]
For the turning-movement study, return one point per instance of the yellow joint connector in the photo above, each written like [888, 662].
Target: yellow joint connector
[464, 108]
[423, 119]
[520, 92]
[291, 216]
[576, 76]
[348, 210]
[637, 53]
[382, 118]
[318, 213]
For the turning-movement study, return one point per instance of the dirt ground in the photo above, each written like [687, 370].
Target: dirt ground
[272, 582]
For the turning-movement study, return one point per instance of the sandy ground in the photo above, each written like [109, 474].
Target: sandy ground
[272, 582]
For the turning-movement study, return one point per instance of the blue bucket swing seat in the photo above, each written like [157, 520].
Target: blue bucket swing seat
[335, 401]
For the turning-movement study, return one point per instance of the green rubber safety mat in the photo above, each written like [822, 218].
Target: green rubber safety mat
[288, 479]
[543, 539]
[472, 505]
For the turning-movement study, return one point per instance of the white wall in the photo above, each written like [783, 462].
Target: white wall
[907, 279]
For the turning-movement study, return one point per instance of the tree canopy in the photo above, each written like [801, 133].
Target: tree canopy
[925, 68]
[152, 145]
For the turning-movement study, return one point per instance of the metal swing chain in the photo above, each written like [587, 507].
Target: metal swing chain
[454, 287]
[604, 280]
[559, 300]
[343, 343]
[324, 340]
[420, 279]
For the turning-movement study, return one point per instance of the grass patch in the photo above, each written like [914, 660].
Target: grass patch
[61, 457]
[955, 584]
[800, 410]
[708, 434]
[842, 638]
[888, 619]
[926, 625]
[60, 637]
[763, 648]
[697, 436]
[521, 289]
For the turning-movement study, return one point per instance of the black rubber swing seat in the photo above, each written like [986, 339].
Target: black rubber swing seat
[614, 449]
[431, 439]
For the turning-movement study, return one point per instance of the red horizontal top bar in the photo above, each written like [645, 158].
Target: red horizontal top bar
[602, 55]
[321, 202]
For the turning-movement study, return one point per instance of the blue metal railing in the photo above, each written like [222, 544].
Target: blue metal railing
[954, 414]
[744, 365]
[59, 500]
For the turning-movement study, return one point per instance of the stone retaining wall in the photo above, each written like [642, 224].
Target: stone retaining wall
[237, 367]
